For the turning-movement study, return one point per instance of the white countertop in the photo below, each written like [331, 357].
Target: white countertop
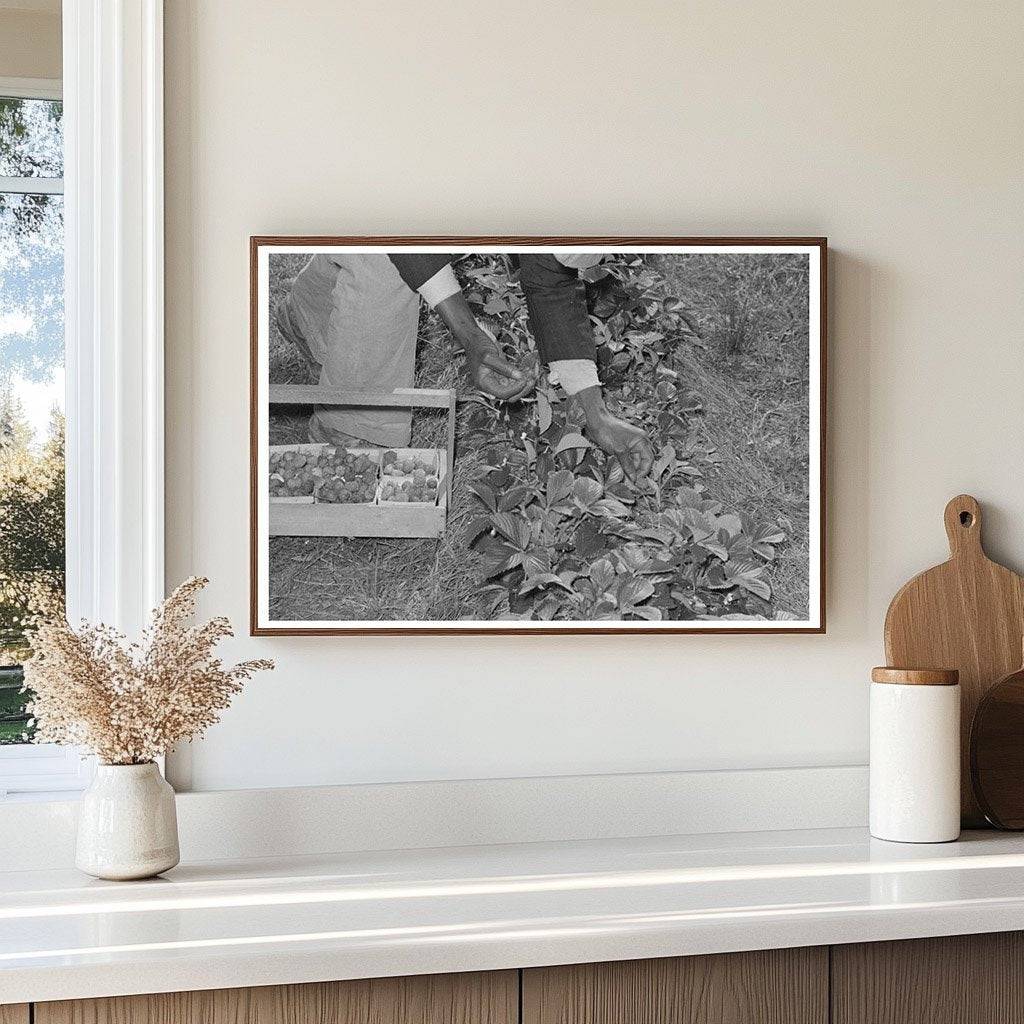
[261, 922]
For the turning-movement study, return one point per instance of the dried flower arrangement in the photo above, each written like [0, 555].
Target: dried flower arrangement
[129, 703]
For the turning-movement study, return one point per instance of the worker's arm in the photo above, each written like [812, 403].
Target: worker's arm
[557, 303]
[429, 273]
[628, 443]
[432, 276]
[488, 368]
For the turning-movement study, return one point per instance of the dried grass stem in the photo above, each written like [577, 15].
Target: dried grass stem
[129, 703]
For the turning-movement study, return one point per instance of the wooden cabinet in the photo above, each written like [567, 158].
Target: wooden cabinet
[962, 979]
[970, 979]
[778, 986]
[491, 998]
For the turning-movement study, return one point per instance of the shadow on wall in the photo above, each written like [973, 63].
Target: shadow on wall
[854, 289]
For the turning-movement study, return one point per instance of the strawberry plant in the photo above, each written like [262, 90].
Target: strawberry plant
[562, 534]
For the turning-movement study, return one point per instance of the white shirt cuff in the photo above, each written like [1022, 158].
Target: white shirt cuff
[573, 374]
[579, 260]
[441, 286]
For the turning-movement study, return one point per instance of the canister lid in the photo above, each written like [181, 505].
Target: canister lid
[916, 676]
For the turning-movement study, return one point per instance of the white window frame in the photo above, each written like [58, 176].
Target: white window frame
[32, 88]
[114, 325]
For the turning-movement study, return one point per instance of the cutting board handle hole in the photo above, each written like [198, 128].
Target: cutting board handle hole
[962, 517]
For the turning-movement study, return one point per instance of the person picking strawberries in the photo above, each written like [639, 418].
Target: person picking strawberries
[354, 318]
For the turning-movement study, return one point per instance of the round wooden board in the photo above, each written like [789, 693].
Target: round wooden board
[997, 752]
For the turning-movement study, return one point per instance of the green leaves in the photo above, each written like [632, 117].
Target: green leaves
[543, 412]
[531, 451]
[586, 492]
[631, 590]
[763, 538]
[602, 575]
[514, 498]
[687, 497]
[514, 529]
[543, 580]
[588, 540]
[666, 461]
[702, 525]
[619, 593]
[593, 274]
[485, 494]
[570, 441]
[559, 532]
[746, 575]
[559, 486]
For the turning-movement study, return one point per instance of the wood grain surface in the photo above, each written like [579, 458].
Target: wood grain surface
[780, 986]
[967, 614]
[962, 979]
[481, 998]
[14, 1013]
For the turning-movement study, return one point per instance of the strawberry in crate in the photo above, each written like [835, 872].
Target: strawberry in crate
[408, 479]
[396, 464]
[347, 478]
[292, 474]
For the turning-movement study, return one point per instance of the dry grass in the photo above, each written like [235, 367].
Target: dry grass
[756, 411]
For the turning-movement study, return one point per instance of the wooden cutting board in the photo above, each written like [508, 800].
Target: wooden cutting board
[967, 614]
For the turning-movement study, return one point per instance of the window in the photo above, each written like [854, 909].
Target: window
[32, 514]
[92, 172]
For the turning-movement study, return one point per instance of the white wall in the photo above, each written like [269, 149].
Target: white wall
[895, 129]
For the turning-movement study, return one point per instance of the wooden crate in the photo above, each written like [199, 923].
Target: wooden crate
[303, 517]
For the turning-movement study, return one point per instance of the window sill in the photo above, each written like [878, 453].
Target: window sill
[42, 771]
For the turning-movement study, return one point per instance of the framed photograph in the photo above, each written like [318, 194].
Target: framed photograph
[537, 435]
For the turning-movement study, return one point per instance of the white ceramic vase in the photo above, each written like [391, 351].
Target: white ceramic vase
[127, 825]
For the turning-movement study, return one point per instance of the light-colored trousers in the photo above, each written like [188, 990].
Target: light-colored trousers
[357, 320]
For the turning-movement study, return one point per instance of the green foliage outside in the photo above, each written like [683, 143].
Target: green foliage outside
[31, 549]
[31, 347]
[13, 725]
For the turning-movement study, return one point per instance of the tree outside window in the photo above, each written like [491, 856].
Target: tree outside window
[31, 387]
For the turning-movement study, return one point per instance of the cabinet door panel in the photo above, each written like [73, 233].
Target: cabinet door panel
[779, 986]
[14, 1013]
[961, 979]
[483, 998]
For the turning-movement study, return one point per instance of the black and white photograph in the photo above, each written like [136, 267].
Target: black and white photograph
[537, 435]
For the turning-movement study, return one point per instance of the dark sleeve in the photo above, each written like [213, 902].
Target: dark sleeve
[557, 303]
[416, 268]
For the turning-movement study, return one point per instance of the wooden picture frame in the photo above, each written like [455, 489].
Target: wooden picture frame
[260, 249]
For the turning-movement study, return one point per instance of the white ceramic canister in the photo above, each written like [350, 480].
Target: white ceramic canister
[127, 825]
[915, 755]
